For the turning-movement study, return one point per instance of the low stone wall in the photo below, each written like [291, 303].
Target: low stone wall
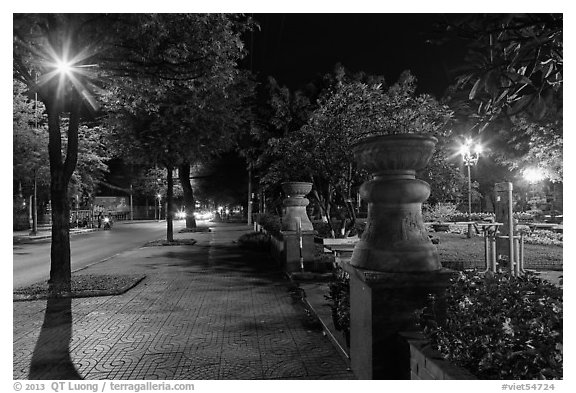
[426, 363]
[277, 249]
[285, 248]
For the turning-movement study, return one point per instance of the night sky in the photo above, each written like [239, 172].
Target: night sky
[294, 47]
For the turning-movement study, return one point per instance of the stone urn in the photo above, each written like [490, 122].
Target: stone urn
[295, 204]
[395, 239]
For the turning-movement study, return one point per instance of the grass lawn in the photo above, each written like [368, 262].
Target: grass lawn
[458, 252]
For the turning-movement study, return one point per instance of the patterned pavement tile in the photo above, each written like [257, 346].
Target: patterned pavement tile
[284, 367]
[210, 311]
[241, 366]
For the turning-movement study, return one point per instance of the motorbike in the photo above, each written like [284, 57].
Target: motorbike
[107, 223]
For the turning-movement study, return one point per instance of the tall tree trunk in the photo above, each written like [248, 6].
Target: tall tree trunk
[60, 173]
[189, 202]
[324, 208]
[169, 203]
[323, 211]
[349, 221]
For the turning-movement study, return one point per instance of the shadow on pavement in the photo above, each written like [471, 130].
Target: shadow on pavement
[51, 357]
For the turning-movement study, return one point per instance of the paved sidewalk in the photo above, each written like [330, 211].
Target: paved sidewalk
[208, 311]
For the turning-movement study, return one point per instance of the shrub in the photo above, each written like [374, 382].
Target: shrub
[473, 217]
[441, 212]
[359, 228]
[502, 327]
[526, 216]
[544, 237]
[254, 241]
[271, 222]
[339, 297]
[322, 229]
[322, 263]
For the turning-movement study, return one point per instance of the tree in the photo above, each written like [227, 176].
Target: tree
[150, 182]
[354, 107]
[276, 112]
[30, 150]
[443, 173]
[511, 84]
[30, 146]
[537, 145]
[214, 128]
[44, 48]
[221, 181]
[192, 112]
[124, 59]
[92, 156]
[276, 132]
[514, 62]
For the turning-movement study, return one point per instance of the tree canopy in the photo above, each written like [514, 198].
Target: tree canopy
[514, 62]
[353, 106]
[510, 85]
[76, 62]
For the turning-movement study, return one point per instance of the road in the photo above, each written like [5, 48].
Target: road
[31, 262]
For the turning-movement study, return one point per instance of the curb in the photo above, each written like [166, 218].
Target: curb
[341, 351]
[32, 238]
[80, 294]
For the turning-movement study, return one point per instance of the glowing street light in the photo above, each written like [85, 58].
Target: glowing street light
[533, 175]
[63, 67]
[470, 153]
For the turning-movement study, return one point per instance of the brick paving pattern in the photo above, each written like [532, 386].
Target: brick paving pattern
[208, 311]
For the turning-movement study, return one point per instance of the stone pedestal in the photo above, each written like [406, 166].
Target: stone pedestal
[394, 267]
[296, 225]
[295, 217]
[395, 238]
[382, 305]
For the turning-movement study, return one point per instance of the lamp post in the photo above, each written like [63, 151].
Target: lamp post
[33, 198]
[470, 153]
[77, 208]
[533, 176]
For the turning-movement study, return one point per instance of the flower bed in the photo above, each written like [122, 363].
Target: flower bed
[498, 327]
[544, 237]
[501, 327]
[339, 300]
[473, 217]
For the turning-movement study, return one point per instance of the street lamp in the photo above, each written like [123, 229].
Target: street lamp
[63, 67]
[533, 175]
[470, 153]
[77, 208]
